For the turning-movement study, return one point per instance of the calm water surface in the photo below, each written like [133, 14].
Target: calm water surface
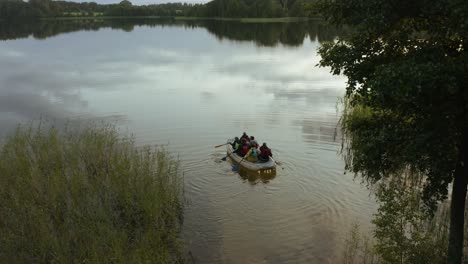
[192, 86]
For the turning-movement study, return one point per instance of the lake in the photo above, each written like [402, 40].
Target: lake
[190, 86]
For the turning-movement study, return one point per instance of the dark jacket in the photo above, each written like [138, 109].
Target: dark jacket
[236, 142]
[265, 152]
[245, 136]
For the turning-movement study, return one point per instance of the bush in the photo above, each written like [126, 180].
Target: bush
[87, 196]
[403, 231]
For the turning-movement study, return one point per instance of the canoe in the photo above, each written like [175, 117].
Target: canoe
[256, 166]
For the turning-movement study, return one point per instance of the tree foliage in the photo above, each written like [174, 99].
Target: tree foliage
[406, 68]
[404, 234]
[11, 9]
[407, 95]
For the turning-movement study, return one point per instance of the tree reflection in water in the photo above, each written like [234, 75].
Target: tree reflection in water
[262, 34]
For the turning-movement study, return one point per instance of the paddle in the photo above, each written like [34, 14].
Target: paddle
[222, 145]
[236, 167]
[224, 158]
[280, 164]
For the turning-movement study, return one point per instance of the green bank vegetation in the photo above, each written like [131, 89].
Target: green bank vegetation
[406, 119]
[87, 196]
[402, 232]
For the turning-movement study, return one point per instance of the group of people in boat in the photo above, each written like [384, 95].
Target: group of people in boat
[248, 148]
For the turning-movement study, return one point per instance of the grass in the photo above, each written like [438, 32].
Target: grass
[87, 196]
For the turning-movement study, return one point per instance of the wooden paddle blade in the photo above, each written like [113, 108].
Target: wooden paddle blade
[221, 145]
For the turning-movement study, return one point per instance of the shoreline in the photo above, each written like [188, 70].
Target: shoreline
[183, 18]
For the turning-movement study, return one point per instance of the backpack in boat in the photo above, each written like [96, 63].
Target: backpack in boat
[254, 153]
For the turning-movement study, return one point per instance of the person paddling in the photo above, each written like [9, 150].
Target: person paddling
[244, 136]
[235, 144]
[245, 148]
[253, 142]
[242, 149]
[252, 155]
[265, 153]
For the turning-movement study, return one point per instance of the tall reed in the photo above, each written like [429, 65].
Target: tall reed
[87, 196]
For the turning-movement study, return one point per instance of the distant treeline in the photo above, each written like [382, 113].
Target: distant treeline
[254, 8]
[262, 34]
[19, 9]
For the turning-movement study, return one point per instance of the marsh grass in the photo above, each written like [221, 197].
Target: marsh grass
[87, 196]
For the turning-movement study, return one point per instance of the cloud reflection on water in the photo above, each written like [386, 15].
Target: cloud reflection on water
[60, 84]
[184, 86]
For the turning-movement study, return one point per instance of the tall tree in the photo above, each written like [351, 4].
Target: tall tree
[407, 95]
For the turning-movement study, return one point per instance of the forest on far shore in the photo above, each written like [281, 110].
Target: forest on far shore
[19, 9]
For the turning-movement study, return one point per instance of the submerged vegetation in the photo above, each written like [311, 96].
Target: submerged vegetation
[87, 196]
